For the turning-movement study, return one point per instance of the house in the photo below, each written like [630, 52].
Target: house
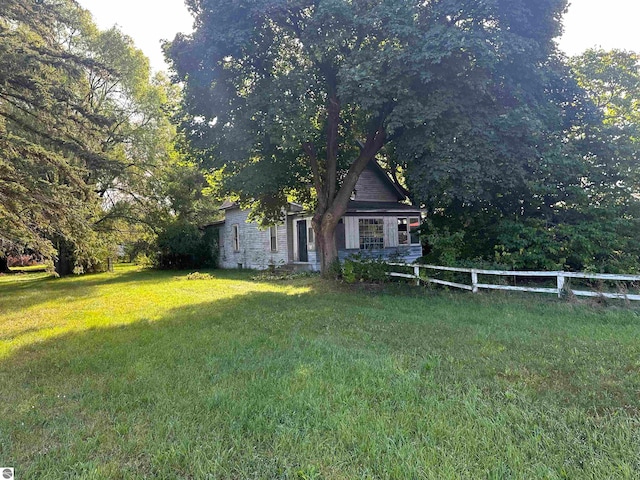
[379, 222]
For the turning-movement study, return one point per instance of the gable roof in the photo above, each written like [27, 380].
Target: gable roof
[227, 204]
[382, 174]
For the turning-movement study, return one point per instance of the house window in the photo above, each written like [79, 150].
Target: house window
[371, 233]
[408, 231]
[235, 231]
[310, 235]
[273, 236]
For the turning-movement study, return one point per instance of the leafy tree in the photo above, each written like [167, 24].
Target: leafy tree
[83, 133]
[611, 145]
[48, 136]
[573, 202]
[293, 98]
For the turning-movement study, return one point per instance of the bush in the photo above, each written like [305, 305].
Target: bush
[144, 260]
[446, 248]
[183, 245]
[359, 268]
[199, 276]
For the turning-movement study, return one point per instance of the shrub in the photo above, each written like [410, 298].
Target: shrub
[144, 260]
[199, 276]
[360, 268]
[183, 245]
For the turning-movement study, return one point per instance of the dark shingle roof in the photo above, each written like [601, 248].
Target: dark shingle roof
[356, 206]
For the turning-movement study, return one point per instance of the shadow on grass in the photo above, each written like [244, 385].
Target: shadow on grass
[272, 385]
[147, 376]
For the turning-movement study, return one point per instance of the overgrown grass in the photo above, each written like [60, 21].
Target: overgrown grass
[148, 375]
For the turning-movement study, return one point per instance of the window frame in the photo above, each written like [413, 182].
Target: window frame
[409, 243]
[273, 238]
[379, 226]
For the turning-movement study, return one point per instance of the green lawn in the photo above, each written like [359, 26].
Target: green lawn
[32, 268]
[149, 375]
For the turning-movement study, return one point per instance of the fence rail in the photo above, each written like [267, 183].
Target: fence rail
[561, 287]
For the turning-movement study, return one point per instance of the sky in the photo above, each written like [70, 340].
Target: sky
[588, 23]
[148, 22]
[604, 23]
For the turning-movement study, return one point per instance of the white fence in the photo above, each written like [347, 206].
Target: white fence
[561, 287]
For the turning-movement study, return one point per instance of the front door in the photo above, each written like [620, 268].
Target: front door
[303, 255]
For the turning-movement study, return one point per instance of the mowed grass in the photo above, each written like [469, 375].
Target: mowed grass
[149, 375]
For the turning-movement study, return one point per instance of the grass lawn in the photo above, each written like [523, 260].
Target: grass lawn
[32, 268]
[149, 375]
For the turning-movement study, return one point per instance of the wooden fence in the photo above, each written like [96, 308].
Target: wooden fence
[562, 286]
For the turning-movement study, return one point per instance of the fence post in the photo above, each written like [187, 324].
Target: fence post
[474, 281]
[416, 273]
[560, 283]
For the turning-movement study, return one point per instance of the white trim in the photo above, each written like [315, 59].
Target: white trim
[351, 233]
[311, 237]
[294, 233]
[311, 246]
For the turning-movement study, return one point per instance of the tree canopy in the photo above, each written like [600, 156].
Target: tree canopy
[576, 206]
[292, 99]
[85, 137]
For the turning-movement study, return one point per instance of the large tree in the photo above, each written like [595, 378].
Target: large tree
[569, 201]
[81, 127]
[610, 145]
[293, 98]
[47, 134]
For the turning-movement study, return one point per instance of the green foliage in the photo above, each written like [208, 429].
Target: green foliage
[83, 134]
[572, 203]
[335, 270]
[183, 245]
[445, 247]
[290, 100]
[600, 244]
[361, 268]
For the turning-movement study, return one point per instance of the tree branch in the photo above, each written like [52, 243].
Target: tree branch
[310, 150]
[372, 146]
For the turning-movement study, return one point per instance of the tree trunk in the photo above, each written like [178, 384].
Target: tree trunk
[4, 264]
[324, 227]
[63, 262]
[332, 202]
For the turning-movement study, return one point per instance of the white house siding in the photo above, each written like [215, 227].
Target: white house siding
[255, 244]
[390, 231]
[351, 235]
[290, 246]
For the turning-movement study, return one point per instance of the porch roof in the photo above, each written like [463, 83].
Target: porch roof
[355, 206]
